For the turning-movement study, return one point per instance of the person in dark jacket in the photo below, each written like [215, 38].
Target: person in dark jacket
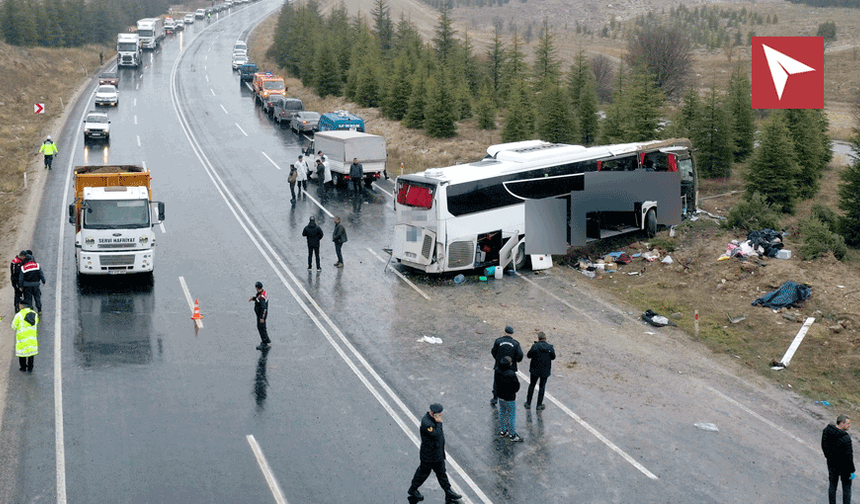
[505, 346]
[356, 174]
[507, 384]
[29, 279]
[323, 187]
[432, 455]
[541, 355]
[314, 234]
[291, 179]
[261, 309]
[836, 445]
[14, 276]
[339, 238]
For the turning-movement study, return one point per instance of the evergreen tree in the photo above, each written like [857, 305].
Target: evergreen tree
[714, 155]
[849, 197]
[547, 66]
[496, 61]
[398, 89]
[383, 25]
[643, 103]
[486, 109]
[688, 123]
[439, 113]
[556, 123]
[808, 128]
[367, 92]
[772, 169]
[741, 113]
[415, 109]
[444, 40]
[519, 118]
[463, 100]
[612, 127]
[576, 79]
[56, 30]
[587, 111]
[8, 24]
[515, 69]
[327, 72]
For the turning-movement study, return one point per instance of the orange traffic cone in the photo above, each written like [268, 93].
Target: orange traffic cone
[196, 315]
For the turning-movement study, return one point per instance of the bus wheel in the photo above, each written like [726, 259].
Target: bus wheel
[520, 257]
[651, 223]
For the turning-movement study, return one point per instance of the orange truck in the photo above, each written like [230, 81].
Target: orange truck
[267, 85]
[114, 220]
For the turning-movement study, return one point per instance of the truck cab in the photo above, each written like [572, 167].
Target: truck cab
[266, 84]
[128, 50]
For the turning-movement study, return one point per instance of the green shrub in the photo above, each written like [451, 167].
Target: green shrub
[818, 240]
[753, 214]
[826, 215]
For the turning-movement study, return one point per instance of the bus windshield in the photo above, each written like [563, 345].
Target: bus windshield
[102, 214]
[416, 195]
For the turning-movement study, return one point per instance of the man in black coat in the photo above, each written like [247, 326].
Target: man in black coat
[356, 174]
[339, 238]
[836, 445]
[505, 346]
[540, 368]
[30, 278]
[506, 384]
[261, 310]
[314, 234]
[432, 456]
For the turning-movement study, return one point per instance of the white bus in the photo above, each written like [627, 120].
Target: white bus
[460, 217]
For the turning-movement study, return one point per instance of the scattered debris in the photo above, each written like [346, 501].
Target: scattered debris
[432, 340]
[789, 294]
[735, 320]
[657, 320]
[707, 426]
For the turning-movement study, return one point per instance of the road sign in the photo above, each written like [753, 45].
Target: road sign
[39, 108]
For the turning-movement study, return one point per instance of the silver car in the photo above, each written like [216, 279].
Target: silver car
[239, 59]
[107, 94]
[96, 126]
[305, 122]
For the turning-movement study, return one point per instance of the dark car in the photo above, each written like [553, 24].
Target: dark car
[284, 108]
[247, 71]
[305, 121]
[109, 78]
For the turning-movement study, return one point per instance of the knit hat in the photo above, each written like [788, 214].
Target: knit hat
[509, 330]
[436, 408]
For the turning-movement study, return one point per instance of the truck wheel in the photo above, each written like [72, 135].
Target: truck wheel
[651, 223]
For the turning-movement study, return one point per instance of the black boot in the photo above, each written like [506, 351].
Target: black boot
[415, 495]
[452, 496]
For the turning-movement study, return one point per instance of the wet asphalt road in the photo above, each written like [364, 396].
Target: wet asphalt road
[154, 410]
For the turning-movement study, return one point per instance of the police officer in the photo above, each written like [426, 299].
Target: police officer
[49, 149]
[505, 346]
[28, 280]
[26, 324]
[261, 309]
[432, 456]
[14, 272]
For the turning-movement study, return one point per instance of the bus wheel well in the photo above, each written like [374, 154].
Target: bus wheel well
[651, 223]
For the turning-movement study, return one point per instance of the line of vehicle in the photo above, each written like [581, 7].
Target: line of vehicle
[271, 160]
[271, 256]
[277, 493]
[408, 282]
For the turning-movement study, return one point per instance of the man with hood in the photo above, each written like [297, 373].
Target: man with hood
[26, 324]
[836, 445]
[30, 279]
[506, 385]
[314, 234]
[14, 272]
[541, 354]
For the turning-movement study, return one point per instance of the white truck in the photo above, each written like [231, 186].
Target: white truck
[341, 146]
[128, 50]
[150, 31]
[114, 220]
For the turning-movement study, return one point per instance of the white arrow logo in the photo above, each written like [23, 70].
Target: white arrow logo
[781, 66]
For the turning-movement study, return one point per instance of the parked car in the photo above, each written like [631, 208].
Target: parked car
[169, 25]
[240, 45]
[247, 71]
[284, 108]
[107, 94]
[109, 78]
[189, 19]
[96, 126]
[200, 14]
[305, 122]
[341, 120]
[179, 26]
[239, 59]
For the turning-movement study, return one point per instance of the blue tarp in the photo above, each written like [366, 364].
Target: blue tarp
[789, 294]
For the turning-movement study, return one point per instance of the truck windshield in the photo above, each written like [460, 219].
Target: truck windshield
[273, 85]
[126, 47]
[685, 166]
[116, 214]
[144, 33]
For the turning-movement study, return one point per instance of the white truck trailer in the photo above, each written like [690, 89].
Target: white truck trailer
[128, 50]
[341, 146]
[151, 31]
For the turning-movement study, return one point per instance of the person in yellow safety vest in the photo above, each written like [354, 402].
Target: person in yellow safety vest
[49, 149]
[26, 324]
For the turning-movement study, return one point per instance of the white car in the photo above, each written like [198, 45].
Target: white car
[200, 14]
[189, 19]
[239, 59]
[96, 126]
[240, 45]
[107, 94]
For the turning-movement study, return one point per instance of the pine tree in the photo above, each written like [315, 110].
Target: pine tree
[811, 149]
[849, 197]
[415, 109]
[643, 104]
[741, 112]
[486, 109]
[383, 25]
[612, 127]
[398, 89]
[689, 119]
[439, 113]
[519, 118]
[772, 169]
[515, 69]
[327, 72]
[444, 40]
[713, 139]
[495, 66]
[8, 25]
[555, 119]
[547, 66]
[587, 111]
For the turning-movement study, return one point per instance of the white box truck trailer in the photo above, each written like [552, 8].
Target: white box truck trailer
[150, 31]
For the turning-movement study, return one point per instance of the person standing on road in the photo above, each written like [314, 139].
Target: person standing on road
[505, 346]
[302, 172]
[507, 385]
[291, 178]
[356, 174]
[261, 310]
[321, 179]
[29, 279]
[327, 172]
[314, 234]
[432, 456]
[49, 149]
[339, 238]
[14, 276]
[26, 325]
[836, 445]
[541, 355]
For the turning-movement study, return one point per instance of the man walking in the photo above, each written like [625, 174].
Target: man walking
[314, 234]
[49, 149]
[541, 355]
[356, 174]
[26, 325]
[432, 455]
[302, 171]
[14, 274]
[291, 178]
[836, 445]
[261, 309]
[28, 280]
[339, 238]
[506, 385]
[506, 346]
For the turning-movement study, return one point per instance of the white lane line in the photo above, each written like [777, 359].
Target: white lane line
[143, 163]
[240, 129]
[419, 291]
[207, 78]
[206, 57]
[317, 203]
[135, 119]
[271, 160]
[225, 110]
[759, 417]
[190, 301]
[134, 102]
[383, 190]
[137, 86]
[267, 472]
[213, 92]
[161, 225]
[138, 140]
[205, 67]
[595, 432]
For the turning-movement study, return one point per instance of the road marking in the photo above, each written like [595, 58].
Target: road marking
[134, 102]
[271, 161]
[317, 203]
[143, 163]
[206, 67]
[213, 92]
[207, 78]
[135, 119]
[240, 129]
[161, 225]
[190, 301]
[137, 86]
[138, 140]
[267, 472]
[595, 432]
[560, 300]
[383, 190]
[225, 110]
[419, 291]
[205, 57]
